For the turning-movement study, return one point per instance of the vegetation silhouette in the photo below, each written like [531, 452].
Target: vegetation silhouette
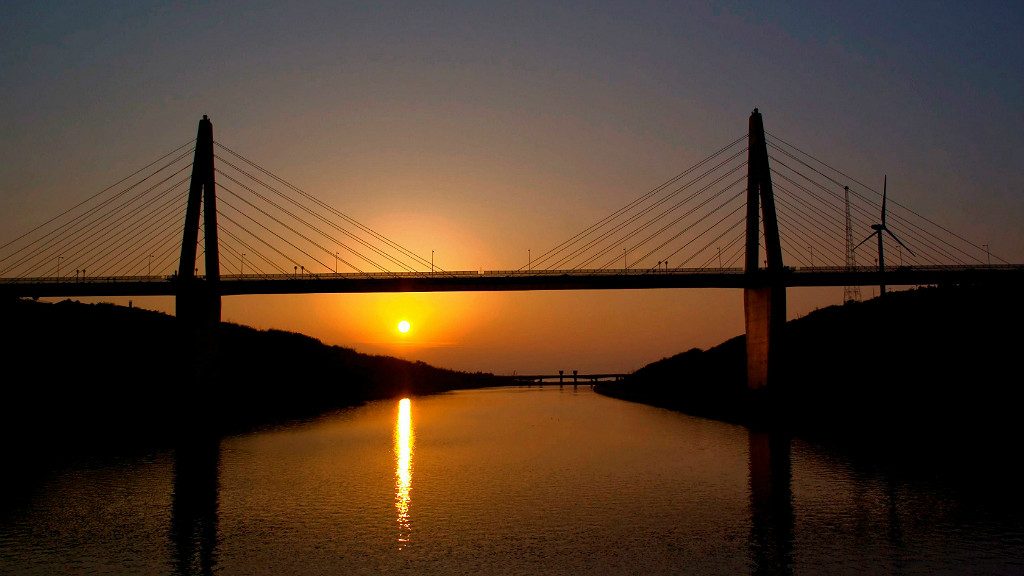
[918, 364]
[111, 373]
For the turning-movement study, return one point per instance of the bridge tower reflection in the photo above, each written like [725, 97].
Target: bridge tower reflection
[194, 505]
[771, 503]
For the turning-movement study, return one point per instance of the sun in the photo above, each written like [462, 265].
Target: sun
[404, 326]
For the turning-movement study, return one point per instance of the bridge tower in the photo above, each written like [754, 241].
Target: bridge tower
[197, 301]
[764, 297]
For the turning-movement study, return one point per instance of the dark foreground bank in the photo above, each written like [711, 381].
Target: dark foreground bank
[925, 363]
[102, 371]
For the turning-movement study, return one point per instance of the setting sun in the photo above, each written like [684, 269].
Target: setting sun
[404, 326]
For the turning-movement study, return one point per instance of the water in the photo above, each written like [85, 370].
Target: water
[501, 481]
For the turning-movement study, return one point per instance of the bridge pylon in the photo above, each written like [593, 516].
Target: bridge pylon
[764, 295]
[197, 301]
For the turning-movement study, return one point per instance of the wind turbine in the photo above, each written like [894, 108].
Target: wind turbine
[878, 229]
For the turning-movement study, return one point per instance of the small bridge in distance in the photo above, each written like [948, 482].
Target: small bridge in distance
[563, 377]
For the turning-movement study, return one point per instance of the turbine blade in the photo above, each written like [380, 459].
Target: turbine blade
[885, 183]
[900, 241]
[865, 240]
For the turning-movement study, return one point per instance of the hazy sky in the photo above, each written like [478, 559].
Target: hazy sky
[483, 130]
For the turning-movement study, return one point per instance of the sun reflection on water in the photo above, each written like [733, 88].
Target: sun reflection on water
[403, 473]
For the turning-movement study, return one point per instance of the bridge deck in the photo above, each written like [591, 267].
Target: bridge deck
[567, 377]
[514, 280]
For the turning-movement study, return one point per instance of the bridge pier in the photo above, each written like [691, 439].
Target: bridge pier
[765, 315]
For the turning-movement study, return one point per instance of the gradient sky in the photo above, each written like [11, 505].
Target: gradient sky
[482, 130]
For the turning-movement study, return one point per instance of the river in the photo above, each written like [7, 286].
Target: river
[500, 481]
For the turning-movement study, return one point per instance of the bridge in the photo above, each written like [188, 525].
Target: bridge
[728, 221]
[564, 377]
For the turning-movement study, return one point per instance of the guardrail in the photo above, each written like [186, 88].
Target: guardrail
[504, 274]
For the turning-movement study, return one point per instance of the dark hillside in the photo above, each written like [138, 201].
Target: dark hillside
[925, 361]
[105, 370]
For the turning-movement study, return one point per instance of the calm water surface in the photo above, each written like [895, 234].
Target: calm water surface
[502, 481]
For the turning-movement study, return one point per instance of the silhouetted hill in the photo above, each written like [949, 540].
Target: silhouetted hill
[100, 369]
[920, 362]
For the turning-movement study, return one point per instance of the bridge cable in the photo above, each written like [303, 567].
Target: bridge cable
[920, 241]
[308, 225]
[643, 198]
[684, 216]
[321, 218]
[111, 233]
[713, 241]
[685, 229]
[74, 221]
[893, 202]
[172, 207]
[243, 228]
[825, 237]
[695, 238]
[239, 257]
[408, 253]
[809, 239]
[98, 194]
[620, 226]
[862, 216]
[630, 235]
[788, 245]
[87, 227]
[914, 238]
[742, 234]
[623, 211]
[292, 230]
[252, 250]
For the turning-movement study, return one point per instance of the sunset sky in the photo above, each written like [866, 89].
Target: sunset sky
[481, 131]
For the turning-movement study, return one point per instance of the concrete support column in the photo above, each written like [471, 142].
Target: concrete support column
[765, 314]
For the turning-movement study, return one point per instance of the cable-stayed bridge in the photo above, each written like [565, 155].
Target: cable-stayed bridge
[759, 214]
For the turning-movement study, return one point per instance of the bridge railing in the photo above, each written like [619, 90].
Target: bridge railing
[898, 268]
[477, 274]
[466, 274]
[85, 279]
